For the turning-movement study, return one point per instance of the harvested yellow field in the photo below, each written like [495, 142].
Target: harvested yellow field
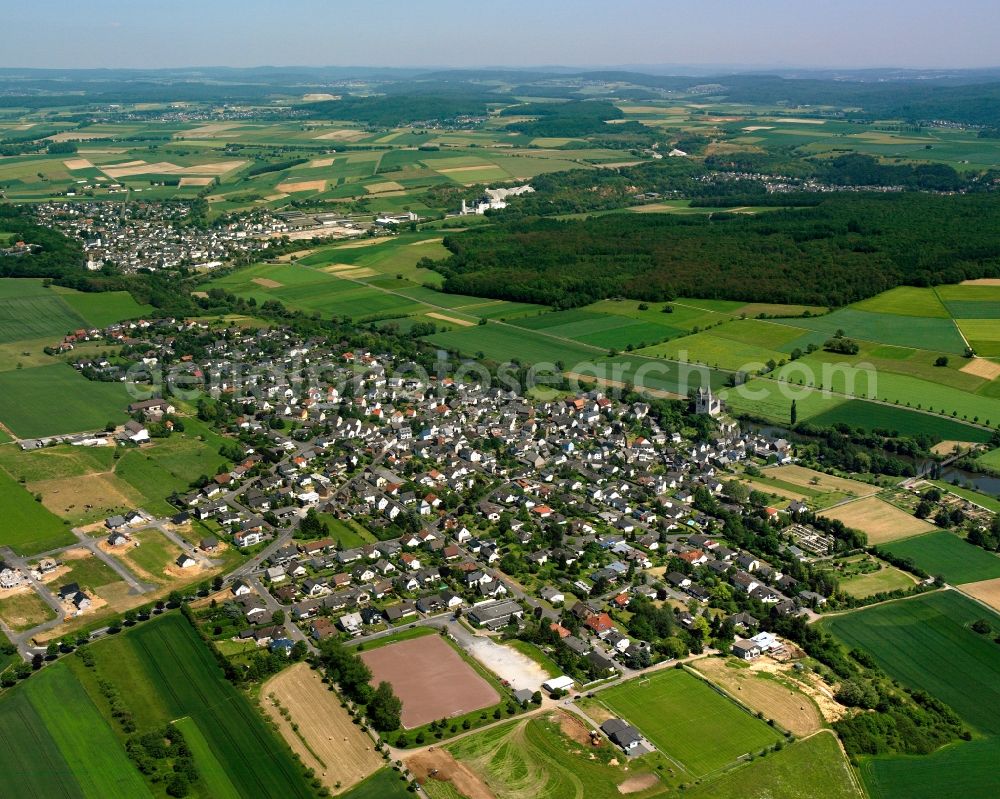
[318, 162]
[451, 169]
[986, 591]
[948, 447]
[388, 185]
[425, 241]
[267, 283]
[879, 520]
[980, 367]
[343, 134]
[460, 322]
[982, 281]
[353, 273]
[207, 131]
[603, 381]
[325, 737]
[791, 709]
[73, 496]
[317, 97]
[302, 185]
[78, 163]
[797, 120]
[753, 128]
[810, 478]
[166, 168]
[196, 181]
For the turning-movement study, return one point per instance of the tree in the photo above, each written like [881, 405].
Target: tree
[278, 617]
[794, 414]
[385, 708]
[941, 361]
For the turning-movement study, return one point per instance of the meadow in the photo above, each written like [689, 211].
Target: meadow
[56, 399]
[383, 784]
[813, 767]
[534, 757]
[945, 554]
[26, 526]
[680, 713]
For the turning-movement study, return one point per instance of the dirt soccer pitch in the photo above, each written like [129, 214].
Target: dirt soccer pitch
[430, 678]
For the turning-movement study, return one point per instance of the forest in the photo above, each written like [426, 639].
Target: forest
[842, 250]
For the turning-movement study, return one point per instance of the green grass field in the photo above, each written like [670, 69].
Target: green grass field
[808, 769]
[943, 553]
[680, 714]
[873, 416]
[966, 769]
[51, 400]
[533, 758]
[26, 525]
[925, 643]
[177, 677]
[383, 784]
[348, 534]
[98, 763]
[888, 578]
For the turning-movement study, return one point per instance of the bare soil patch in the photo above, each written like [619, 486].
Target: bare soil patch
[452, 319]
[980, 367]
[574, 729]
[879, 520]
[438, 764]
[267, 283]
[986, 591]
[430, 678]
[638, 783]
[327, 739]
[788, 707]
[302, 185]
[982, 281]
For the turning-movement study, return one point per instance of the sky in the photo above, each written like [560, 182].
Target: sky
[426, 33]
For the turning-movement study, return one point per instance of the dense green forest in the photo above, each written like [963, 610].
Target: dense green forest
[844, 249]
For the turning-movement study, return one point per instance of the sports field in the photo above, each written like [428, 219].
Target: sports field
[943, 553]
[430, 678]
[879, 520]
[924, 642]
[680, 713]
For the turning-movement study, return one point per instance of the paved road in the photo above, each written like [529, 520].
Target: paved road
[137, 586]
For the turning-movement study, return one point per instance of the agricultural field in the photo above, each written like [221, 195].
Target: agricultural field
[29, 310]
[678, 713]
[924, 642]
[549, 757]
[53, 400]
[879, 520]
[945, 554]
[57, 744]
[323, 735]
[166, 672]
[28, 526]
